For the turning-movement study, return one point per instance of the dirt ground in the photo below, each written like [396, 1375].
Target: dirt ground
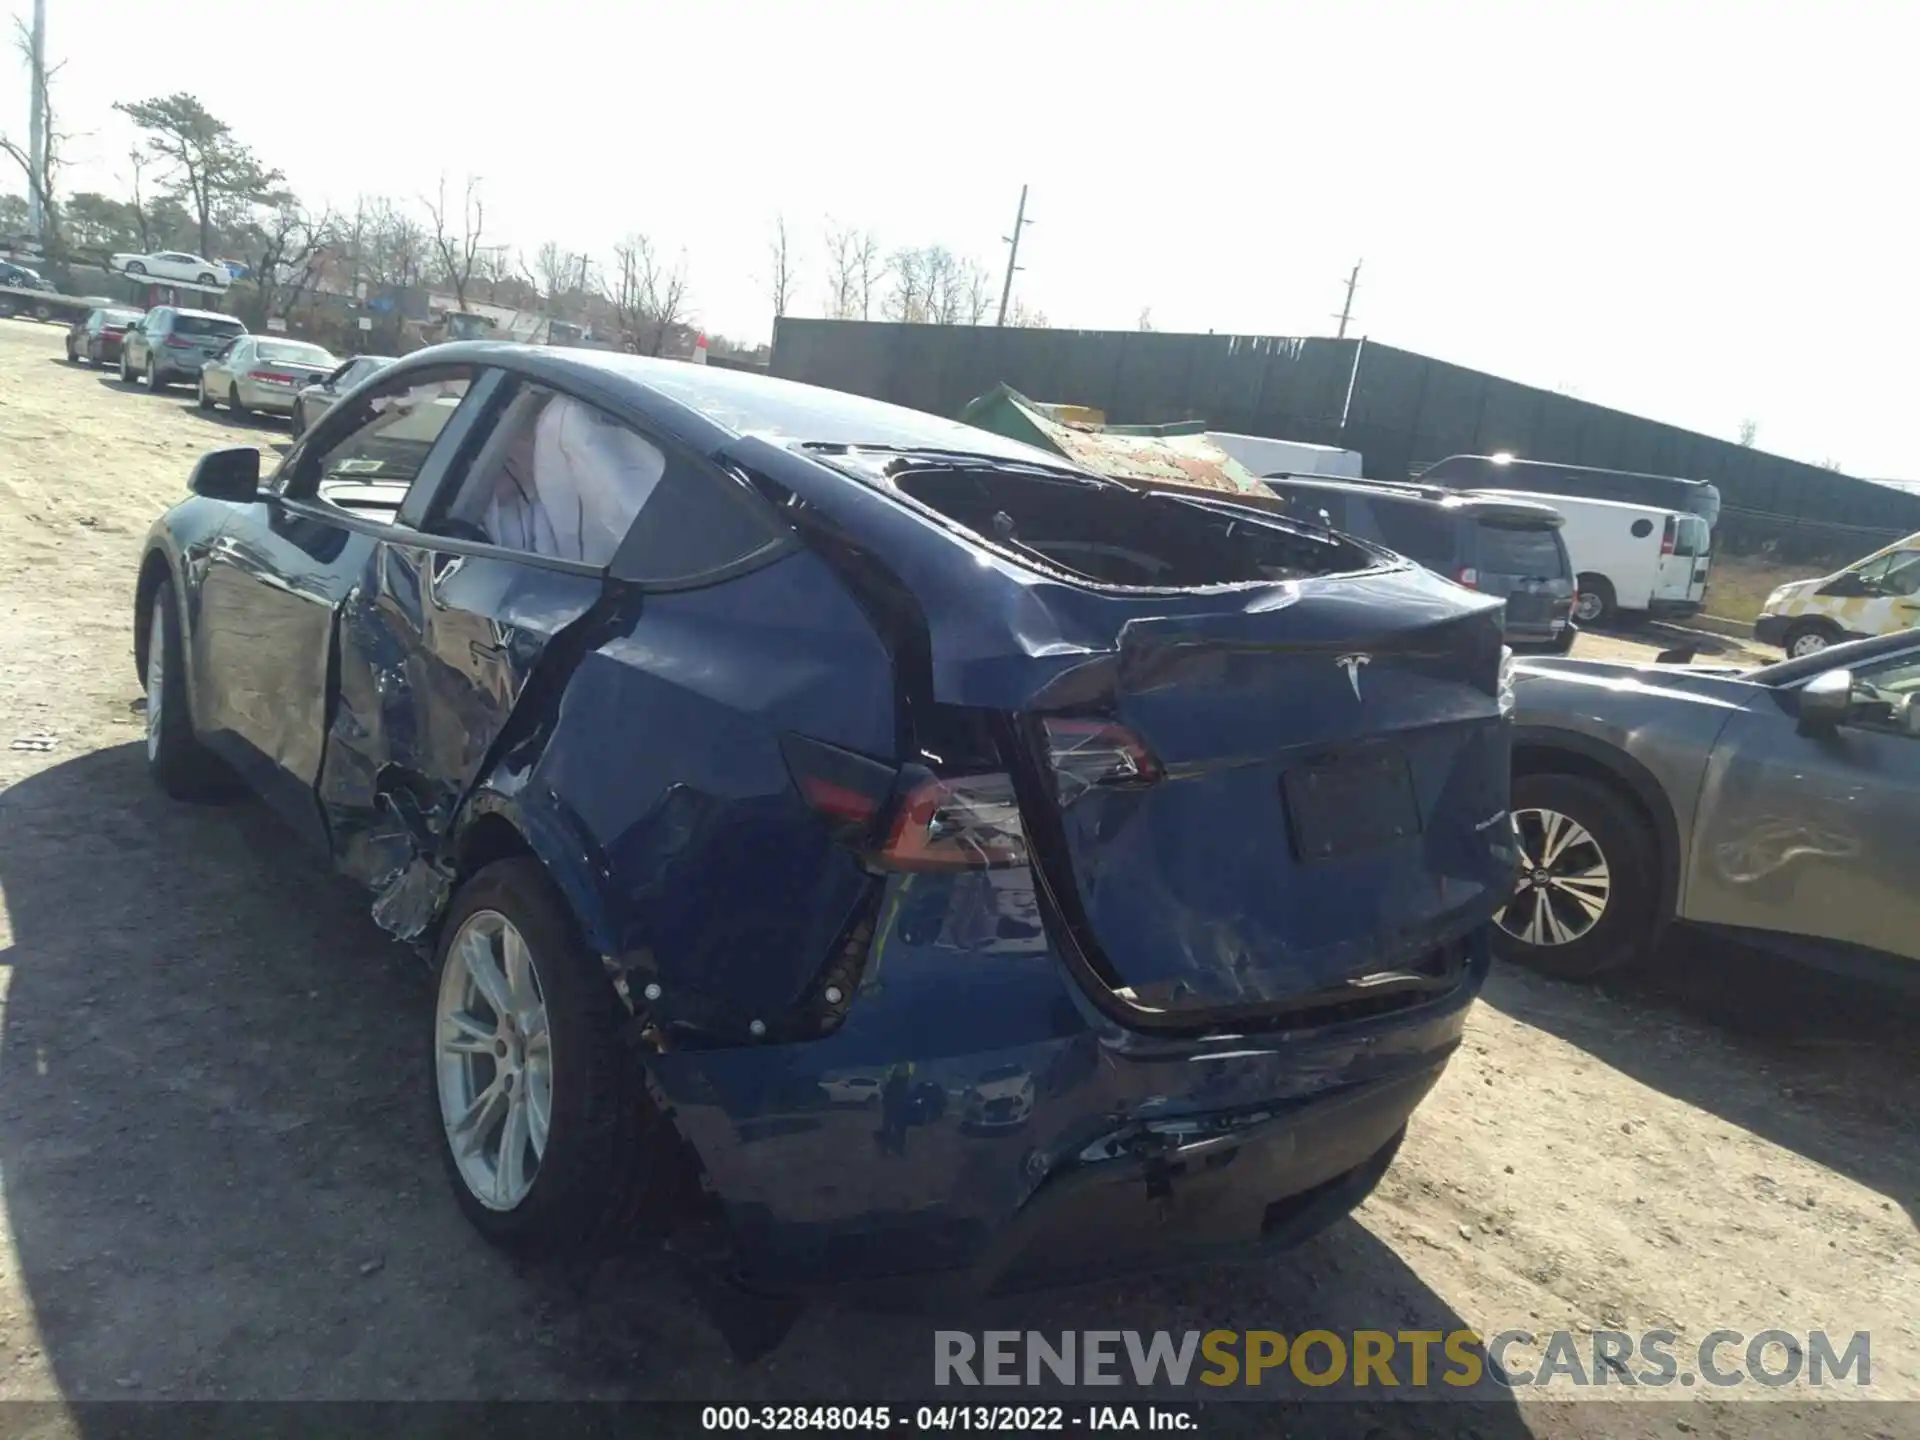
[217, 1168]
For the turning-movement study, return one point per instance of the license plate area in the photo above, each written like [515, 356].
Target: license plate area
[1349, 805]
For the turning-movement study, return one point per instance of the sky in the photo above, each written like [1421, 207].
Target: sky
[1698, 211]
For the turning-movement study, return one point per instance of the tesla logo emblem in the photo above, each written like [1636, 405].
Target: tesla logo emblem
[1352, 664]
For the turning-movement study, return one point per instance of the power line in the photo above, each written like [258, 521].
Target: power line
[1020, 222]
[1346, 310]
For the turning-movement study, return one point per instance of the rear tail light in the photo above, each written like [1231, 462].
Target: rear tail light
[971, 822]
[176, 342]
[279, 376]
[967, 822]
[1086, 753]
[1468, 577]
[1667, 537]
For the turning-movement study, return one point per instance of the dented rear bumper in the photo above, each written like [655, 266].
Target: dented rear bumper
[977, 1126]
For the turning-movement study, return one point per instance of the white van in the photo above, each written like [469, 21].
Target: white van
[1626, 557]
[1265, 456]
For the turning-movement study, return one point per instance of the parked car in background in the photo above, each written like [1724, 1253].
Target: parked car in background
[315, 399]
[262, 372]
[1875, 596]
[168, 344]
[172, 265]
[1506, 548]
[883, 662]
[1631, 558]
[1774, 805]
[96, 336]
[23, 278]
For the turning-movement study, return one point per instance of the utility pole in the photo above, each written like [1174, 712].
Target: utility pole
[37, 122]
[1346, 310]
[1020, 222]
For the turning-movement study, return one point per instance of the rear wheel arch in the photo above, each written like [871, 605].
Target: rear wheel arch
[494, 827]
[1548, 753]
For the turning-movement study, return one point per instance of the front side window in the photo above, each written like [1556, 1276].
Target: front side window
[1888, 697]
[368, 469]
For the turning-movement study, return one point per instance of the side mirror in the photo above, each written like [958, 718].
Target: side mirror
[228, 475]
[1826, 701]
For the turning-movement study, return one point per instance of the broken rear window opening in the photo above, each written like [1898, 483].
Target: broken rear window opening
[1103, 531]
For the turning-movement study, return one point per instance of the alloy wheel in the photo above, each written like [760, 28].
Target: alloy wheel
[156, 674]
[1811, 643]
[1564, 883]
[493, 1060]
[1586, 607]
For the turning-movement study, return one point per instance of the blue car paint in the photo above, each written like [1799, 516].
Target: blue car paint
[849, 1161]
[632, 740]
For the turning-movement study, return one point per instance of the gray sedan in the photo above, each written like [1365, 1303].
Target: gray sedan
[260, 372]
[1775, 805]
[316, 399]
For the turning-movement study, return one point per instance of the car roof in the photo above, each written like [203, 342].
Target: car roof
[735, 403]
[1473, 505]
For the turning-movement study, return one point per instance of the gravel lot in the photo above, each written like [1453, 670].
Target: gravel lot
[217, 1176]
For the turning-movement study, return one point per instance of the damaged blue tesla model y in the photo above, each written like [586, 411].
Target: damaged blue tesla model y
[912, 859]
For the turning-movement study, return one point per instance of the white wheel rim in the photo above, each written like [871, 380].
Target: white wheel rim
[1587, 606]
[156, 675]
[1564, 883]
[1809, 644]
[493, 1060]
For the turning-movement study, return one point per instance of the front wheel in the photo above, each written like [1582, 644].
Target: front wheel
[549, 1137]
[179, 764]
[298, 423]
[234, 402]
[126, 374]
[72, 357]
[154, 382]
[1562, 643]
[205, 400]
[1585, 901]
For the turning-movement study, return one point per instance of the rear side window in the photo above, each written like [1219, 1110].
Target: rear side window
[562, 480]
[1424, 533]
[1525, 552]
[367, 470]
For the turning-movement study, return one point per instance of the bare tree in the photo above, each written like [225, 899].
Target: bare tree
[286, 246]
[1145, 322]
[872, 272]
[1833, 465]
[40, 177]
[137, 163]
[843, 272]
[907, 300]
[456, 239]
[976, 292]
[648, 297]
[784, 274]
[1021, 316]
[555, 270]
[1749, 432]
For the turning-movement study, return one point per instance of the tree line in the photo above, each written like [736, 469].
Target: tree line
[191, 183]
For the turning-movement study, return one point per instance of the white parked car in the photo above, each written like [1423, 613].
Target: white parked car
[173, 265]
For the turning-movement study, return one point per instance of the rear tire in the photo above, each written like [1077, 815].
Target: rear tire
[1595, 604]
[134, 267]
[126, 375]
[179, 764]
[1810, 637]
[611, 1161]
[297, 422]
[208, 280]
[234, 404]
[72, 358]
[1563, 643]
[1594, 848]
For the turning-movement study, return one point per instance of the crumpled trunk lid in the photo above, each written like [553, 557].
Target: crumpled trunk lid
[1331, 808]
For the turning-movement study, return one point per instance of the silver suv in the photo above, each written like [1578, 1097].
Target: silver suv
[172, 344]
